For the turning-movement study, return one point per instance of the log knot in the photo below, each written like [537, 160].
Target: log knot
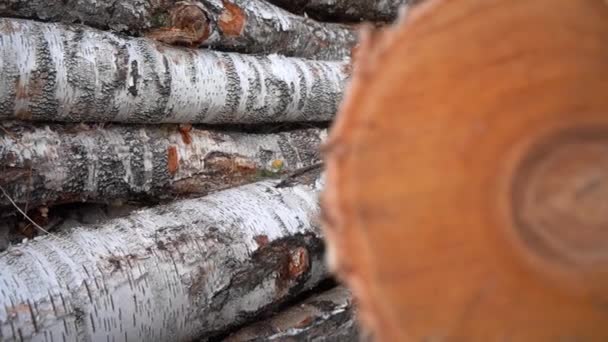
[232, 19]
[188, 25]
[299, 262]
[560, 199]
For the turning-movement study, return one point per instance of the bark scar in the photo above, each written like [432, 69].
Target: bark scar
[261, 240]
[299, 262]
[188, 25]
[172, 160]
[184, 130]
[232, 19]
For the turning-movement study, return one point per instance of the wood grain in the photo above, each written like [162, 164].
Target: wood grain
[466, 174]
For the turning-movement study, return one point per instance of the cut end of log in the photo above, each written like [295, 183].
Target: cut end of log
[232, 19]
[188, 25]
[466, 173]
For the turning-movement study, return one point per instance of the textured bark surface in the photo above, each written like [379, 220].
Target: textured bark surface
[15, 228]
[59, 72]
[170, 273]
[58, 164]
[252, 26]
[349, 10]
[328, 316]
[255, 26]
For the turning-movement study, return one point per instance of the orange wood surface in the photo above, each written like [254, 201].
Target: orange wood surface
[467, 174]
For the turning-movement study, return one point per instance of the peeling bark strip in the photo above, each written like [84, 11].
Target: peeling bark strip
[328, 316]
[346, 10]
[56, 72]
[55, 164]
[252, 26]
[170, 273]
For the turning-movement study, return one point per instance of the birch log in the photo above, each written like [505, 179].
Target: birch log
[252, 26]
[57, 72]
[171, 273]
[328, 316]
[58, 164]
[256, 26]
[346, 10]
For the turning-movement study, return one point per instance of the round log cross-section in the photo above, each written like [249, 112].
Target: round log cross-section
[467, 173]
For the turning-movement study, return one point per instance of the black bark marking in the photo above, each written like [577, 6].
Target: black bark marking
[79, 173]
[255, 89]
[160, 84]
[233, 90]
[302, 90]
[134, 74]
[326, 101]
[111, 81]
[137, 146]
[11, 82]
[79, 77]
[266, 112]
[110, 170]
[296, 148]
[160, 166]
[42, 80]
[164, 87]
[33, 315]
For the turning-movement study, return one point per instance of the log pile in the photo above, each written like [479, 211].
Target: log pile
[160, 168]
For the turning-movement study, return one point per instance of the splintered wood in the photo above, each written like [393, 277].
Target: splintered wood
[466, 174]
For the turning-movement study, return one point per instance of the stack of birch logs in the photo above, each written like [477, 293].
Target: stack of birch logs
[159, 167]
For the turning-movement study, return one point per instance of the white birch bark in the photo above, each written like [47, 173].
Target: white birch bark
[57, 164]
[328, 316]
[56, 72]
[252, 26]
[171, 273]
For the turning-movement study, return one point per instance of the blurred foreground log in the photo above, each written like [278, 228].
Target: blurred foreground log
[249, 26]
[327, 316]
[56, 72]
[58, 164]
[171, 273]
[467, 174]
